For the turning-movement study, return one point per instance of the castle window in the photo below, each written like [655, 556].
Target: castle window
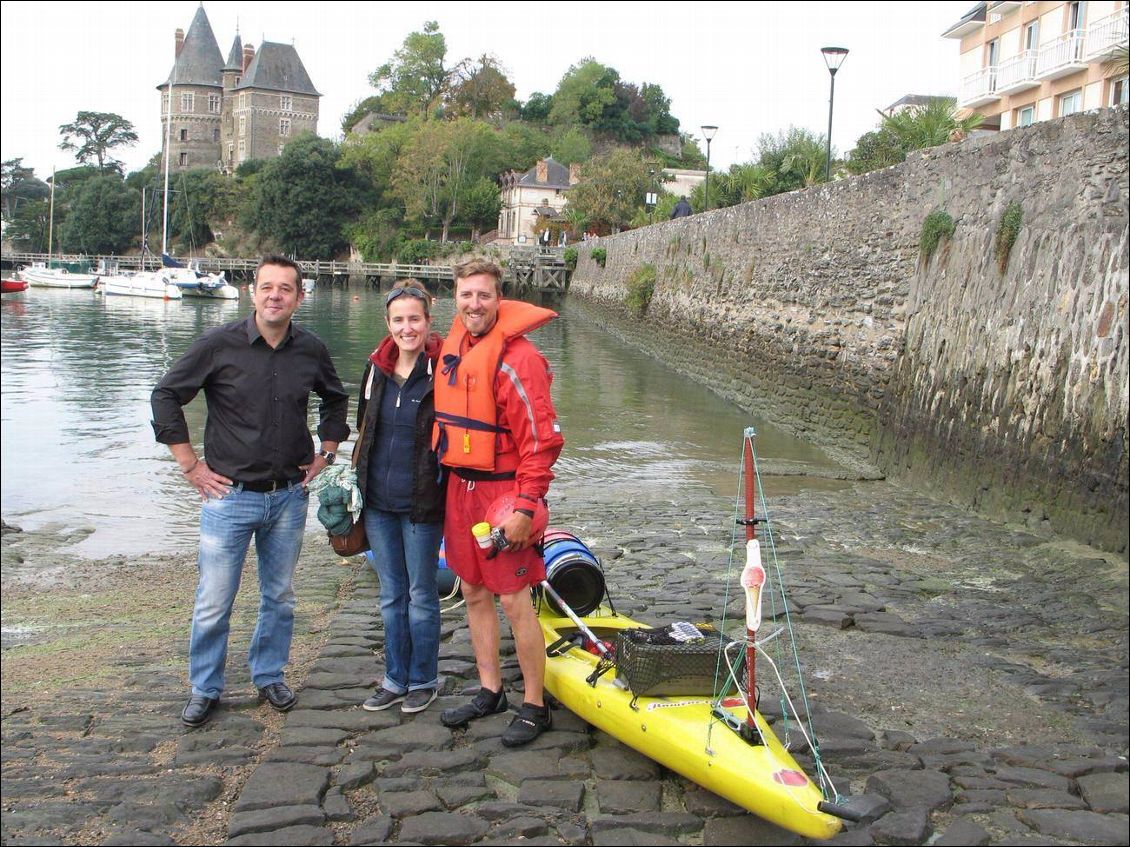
[186, 101]
[242, 125]
[184, 135]
[184, 160]
[284, 127]
[215, 134]
[214, 103]
[242, 149]
[286, 102]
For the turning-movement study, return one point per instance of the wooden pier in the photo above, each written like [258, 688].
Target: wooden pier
[526, 269]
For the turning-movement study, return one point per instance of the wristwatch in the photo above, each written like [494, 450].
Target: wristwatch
[328, 455]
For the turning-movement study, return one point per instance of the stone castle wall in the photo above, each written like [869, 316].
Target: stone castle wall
[1006, 390]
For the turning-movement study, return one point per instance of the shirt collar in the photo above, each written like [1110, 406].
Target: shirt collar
[254, 335]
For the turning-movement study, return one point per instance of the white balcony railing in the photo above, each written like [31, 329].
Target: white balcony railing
[1061, 56]
[1017, 73]
[979, 88]
[1107, 33]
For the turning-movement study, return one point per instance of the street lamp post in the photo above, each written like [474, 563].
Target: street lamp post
[833, 58]
[708, 132]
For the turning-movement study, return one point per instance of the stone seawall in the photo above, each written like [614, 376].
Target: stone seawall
[1006, 390]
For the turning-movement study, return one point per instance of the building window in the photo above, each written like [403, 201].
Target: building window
[242, 125]
[214, 103]
[184, 135]
[184, 160]
[1032, 35]
[286, 102]
[1026, 116]
[164, 104]
[231, 151]
[284, 127]
[237, 79]
[1118, 92]
[1071, 103]
[281, 146]
[1076, 14]
[216, 134]
[242, 149]
[186, 101]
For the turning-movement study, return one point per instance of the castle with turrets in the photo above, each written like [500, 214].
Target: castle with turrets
[226, 113]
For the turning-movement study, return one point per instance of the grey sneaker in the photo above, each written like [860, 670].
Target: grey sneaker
[418, 700]
[381, 700]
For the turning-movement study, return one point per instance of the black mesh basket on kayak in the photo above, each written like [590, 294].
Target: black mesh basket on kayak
[664, 661]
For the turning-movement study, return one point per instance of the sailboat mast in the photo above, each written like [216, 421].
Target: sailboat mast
[51, 223]
[168, 151]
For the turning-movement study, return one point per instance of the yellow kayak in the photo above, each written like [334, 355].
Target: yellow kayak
[680, 734]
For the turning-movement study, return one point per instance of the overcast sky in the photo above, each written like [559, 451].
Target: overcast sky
[749, 68]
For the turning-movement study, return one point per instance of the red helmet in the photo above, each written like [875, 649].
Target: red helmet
[504, 506]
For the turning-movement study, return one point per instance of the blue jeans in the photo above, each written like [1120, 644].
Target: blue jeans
[405, 557]
[277, 521]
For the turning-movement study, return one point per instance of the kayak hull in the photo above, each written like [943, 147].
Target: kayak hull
[679, 733]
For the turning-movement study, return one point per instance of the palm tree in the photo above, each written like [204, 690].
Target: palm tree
[929, 125]
[1119, 62]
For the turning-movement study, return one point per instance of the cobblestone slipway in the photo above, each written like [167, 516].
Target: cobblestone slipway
[967, 681]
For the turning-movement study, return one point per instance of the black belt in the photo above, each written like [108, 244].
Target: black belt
[267, 485]
[473, 475]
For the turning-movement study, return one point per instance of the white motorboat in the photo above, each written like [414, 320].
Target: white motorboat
[153, 284]
[195, 283]
[308, 285]
[40, 275]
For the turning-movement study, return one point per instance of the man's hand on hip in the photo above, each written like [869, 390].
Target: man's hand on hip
[207, 482]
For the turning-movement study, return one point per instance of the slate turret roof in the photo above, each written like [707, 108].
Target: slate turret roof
[200, 61]
[276, 67]
[235, 57]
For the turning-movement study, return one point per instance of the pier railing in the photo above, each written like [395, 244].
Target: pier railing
[540, 269]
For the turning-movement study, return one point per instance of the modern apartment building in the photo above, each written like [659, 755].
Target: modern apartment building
[1023, 62]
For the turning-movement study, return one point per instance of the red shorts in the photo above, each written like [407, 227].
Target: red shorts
[506, 573]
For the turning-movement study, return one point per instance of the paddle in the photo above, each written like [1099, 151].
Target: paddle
[563, 606]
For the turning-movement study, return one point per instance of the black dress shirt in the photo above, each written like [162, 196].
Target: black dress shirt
[257, 397]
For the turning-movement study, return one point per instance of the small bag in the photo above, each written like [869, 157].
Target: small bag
[355, 541]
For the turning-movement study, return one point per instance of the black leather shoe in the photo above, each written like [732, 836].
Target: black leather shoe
[279, 695]
[198, 710]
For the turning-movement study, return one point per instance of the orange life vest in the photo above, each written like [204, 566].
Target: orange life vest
[466, 429]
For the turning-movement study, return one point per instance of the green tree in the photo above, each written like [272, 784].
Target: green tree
[377, 234]
[29, 226]
[302, 201]
[586, 92]
[571, 146]
[416, 79]
[792, 159]
[613, 187]
[482, 90]
[200, 198]
[92, 135]
[929, 125]
[536, 110]
[18, 185]
[481, 204]
[360, 109]
[104, 217]
[915, 128]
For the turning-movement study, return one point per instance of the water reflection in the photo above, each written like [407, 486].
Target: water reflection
[77, 371]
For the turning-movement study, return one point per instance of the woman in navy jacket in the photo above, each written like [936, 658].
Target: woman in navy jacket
[399, 476]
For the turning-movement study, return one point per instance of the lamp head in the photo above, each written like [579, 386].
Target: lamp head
[834, 57]
[708, 132]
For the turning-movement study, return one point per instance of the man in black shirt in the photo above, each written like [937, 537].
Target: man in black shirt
[257, 374]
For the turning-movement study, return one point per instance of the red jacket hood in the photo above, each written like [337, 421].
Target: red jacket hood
[386, 354]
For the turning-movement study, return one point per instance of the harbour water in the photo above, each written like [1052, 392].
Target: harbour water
[78, 450]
